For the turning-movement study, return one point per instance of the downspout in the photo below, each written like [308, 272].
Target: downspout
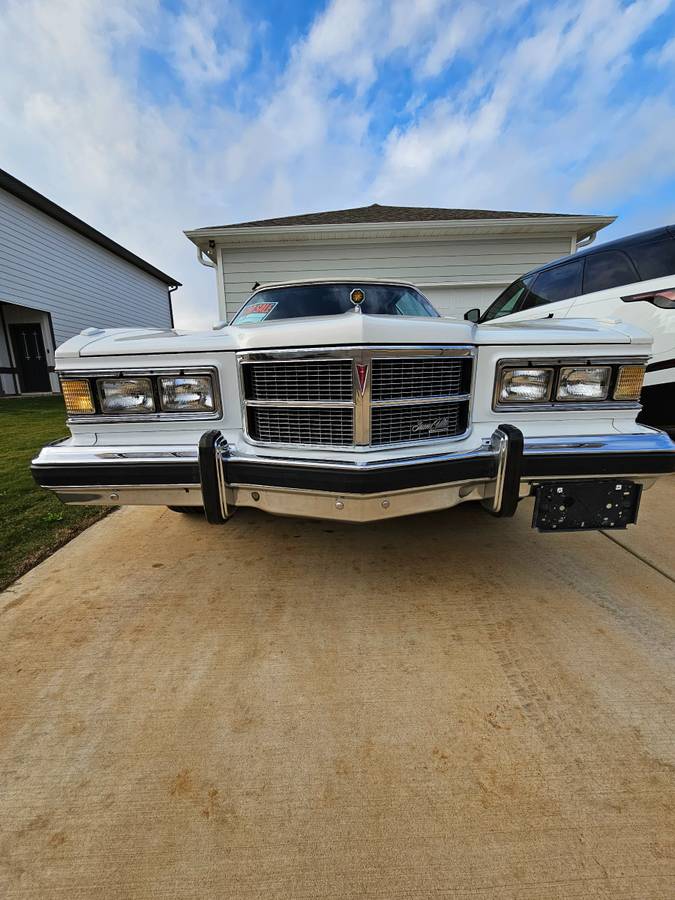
[204, 260]
[170, 289]
[587, 241]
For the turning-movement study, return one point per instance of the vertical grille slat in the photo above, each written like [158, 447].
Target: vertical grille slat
[318, 401]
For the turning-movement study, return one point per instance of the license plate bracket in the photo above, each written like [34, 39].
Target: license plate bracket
[586, 505]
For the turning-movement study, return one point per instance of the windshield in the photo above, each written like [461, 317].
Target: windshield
[332, 299]
[507, 302]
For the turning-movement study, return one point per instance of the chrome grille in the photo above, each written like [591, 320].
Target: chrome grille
[356, 396]
[420, 422]
[304, 379]
[403, 379]
[329, 426]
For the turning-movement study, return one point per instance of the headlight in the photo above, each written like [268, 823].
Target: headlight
[583, 383]
[629, 383]
[186, 393]
[120, 396]
[77, 397]
[525, 385]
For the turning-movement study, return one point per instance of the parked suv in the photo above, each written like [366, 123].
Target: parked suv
[631, 279]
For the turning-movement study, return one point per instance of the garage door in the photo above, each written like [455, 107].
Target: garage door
[454, 301]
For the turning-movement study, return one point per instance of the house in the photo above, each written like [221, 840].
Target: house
[59, 275]
[460, 258]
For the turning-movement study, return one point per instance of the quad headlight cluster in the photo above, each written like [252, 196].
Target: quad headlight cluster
[141, 395]
[563, 384]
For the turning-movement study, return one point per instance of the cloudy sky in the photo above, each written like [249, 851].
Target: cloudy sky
[146, 118]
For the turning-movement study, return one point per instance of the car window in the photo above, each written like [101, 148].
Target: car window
[323, 299]
[654, 259]
[608, 269]
[559, 283]
[508, 300]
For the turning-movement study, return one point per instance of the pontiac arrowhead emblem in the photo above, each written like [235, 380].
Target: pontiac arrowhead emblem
[362, 375]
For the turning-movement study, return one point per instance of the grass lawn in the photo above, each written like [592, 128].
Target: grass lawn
[33, 523]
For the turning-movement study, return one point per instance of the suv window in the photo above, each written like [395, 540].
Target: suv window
[608, 269]
[559, 283]
[655, 259]
[508, 300]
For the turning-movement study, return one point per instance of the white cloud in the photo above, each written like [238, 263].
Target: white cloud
[534, 125]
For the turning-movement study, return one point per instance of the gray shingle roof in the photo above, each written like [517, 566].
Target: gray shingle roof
[376, 213]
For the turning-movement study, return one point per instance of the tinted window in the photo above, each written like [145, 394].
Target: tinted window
[655, 259]
[508, 300]
[607, 270]
[332, 299]
[560, 283]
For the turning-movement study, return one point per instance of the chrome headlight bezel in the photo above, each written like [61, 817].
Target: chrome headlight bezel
[558, 365]
[158, 414]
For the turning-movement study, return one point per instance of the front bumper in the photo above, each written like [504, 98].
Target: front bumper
[498, 473]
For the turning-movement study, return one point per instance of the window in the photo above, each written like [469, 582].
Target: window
[607, 270]
[320, 299]
[655, 259]
[507, 302]
[559, 283]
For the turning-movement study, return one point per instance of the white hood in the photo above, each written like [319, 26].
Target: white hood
[350, 329]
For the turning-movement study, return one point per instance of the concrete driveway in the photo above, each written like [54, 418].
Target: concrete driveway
[447, 706]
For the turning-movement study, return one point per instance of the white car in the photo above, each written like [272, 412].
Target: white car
[632, 280]
[353, 400]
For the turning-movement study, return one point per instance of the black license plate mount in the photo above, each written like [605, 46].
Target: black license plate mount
[586, 505]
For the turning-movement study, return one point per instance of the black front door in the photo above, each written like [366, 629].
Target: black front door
[29, 358]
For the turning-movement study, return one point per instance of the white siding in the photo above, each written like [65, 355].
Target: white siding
[493, 259]
[45, 265]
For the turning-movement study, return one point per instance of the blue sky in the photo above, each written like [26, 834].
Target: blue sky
[146, 118]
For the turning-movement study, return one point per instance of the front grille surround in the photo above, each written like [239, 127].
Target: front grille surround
[411, 395]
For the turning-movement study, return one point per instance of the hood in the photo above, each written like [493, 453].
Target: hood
[347, 329]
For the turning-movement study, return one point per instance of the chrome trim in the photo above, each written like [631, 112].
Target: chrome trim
[221, 444]
[500, 446]
[557, 364]
[361, 401]
[155, 416]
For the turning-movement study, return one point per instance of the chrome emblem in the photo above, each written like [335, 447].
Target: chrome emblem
[431, 427]
[362, 375]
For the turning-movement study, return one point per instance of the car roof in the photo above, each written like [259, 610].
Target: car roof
[355, 279]
[622, 243]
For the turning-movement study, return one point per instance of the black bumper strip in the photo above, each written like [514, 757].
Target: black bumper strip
[116, 474]
[600, 464]
[209, 477]
[375, 481]
[339, 481]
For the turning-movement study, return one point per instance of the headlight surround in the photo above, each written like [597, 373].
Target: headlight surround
[583, 383]
[524, 384]
[126, 396]
[186, 393]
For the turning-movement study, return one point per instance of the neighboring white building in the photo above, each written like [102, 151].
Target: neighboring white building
[59, 275]
[460, 258]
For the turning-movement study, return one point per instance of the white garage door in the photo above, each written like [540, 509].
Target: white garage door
[454, 301]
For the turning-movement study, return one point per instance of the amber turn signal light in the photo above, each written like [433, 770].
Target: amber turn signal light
[629, 383]
[77, 397]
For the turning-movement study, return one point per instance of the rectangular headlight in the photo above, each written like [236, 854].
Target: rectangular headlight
[629, 383]
[583, 383]
[77, 396]
[186, 393]
[126, 396]
[520, 385]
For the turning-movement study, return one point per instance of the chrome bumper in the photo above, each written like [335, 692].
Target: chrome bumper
[499, 472]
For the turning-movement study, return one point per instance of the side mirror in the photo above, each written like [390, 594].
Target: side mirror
[472, 315]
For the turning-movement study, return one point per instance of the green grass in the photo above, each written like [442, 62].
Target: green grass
[33, 523]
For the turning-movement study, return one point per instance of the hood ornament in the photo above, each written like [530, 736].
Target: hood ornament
[357, 296]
